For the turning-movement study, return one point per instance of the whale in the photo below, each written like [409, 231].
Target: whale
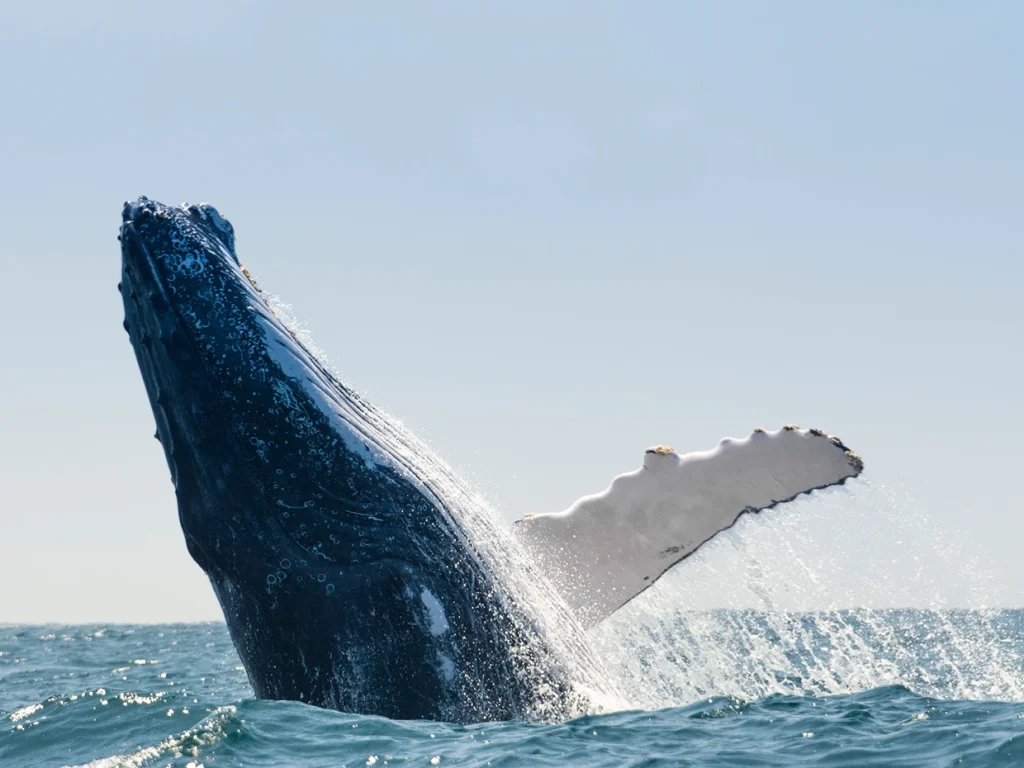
[355, 570]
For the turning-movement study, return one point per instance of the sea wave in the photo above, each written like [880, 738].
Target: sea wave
[805, 703]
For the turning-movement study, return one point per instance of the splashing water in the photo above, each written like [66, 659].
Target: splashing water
[839, 548]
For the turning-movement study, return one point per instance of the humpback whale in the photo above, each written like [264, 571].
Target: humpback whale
[355, 570]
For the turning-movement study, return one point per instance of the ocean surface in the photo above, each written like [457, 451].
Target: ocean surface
[720, 687]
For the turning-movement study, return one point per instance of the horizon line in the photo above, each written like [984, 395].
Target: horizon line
[197, 622]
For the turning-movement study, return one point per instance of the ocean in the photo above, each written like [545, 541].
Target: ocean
[717, 687]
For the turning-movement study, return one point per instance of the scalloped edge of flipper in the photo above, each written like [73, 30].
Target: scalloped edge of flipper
[609, 547]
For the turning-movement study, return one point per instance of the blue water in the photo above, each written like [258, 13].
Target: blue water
[947, 691]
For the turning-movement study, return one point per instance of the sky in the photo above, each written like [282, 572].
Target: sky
[545, 235]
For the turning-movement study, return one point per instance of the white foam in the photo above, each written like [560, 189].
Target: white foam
[21, 714]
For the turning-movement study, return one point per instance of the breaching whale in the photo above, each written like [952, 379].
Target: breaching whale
[354, 569]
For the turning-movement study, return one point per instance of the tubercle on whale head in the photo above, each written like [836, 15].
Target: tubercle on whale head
[195, 225]
[202, 217]
[183, 287]
[185, 256]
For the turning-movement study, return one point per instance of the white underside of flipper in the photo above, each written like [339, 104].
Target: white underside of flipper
[608, 548]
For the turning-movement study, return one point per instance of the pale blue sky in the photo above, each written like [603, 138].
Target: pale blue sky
[546, 235]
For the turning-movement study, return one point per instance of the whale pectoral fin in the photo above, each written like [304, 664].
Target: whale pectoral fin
[608, 548]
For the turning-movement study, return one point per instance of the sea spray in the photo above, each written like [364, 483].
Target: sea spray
[873, 551]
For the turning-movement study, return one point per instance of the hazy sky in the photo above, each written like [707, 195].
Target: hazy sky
[546, 235]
